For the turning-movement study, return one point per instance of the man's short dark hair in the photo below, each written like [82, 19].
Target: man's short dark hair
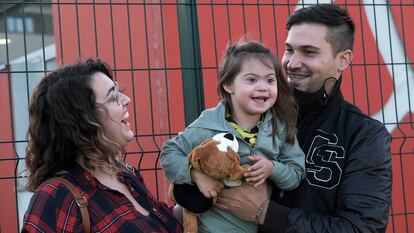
[341, 28]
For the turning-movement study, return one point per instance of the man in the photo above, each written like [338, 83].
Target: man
[348, 166]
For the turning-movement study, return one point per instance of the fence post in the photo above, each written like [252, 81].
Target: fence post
[190, 54]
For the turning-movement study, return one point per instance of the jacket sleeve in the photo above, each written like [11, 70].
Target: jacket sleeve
[363, 198]
[289, 168]
[174, 153]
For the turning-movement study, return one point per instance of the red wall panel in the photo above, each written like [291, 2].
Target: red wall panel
[8, 219]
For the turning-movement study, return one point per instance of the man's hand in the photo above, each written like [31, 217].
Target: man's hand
[208, 186]
[259, 171]
[244, 201]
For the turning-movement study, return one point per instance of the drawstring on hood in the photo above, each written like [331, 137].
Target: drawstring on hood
[311, 104]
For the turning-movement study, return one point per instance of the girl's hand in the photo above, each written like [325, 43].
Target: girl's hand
[257, 173]
[208, 186]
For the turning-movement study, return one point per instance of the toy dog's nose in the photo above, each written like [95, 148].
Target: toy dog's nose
[229, 136]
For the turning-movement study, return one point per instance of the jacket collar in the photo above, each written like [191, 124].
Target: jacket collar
[126, 174]
[315, 108]
[214, 119]
[88, 182]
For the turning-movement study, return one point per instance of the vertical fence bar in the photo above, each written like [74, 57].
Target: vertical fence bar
[190, 59]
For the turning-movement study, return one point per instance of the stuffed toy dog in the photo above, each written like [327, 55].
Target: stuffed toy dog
[218, 158]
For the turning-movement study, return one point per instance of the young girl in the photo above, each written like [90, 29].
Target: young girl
[258, 108]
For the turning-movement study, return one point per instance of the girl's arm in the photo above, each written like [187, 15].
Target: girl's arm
[174, 153]
[289, 168]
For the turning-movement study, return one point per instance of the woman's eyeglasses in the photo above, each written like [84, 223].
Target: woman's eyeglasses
[115, 96]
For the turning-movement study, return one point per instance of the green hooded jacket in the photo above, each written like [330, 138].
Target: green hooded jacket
[288, 161]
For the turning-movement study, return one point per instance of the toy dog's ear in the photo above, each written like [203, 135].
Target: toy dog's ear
[197, 152]
[194, 157]
[236, 171]
[233, 155]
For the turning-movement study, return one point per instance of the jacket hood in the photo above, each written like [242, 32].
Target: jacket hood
[214, 118]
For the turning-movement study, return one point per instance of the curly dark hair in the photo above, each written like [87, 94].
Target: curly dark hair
[285, 108]
[64, 123]
[341, 28]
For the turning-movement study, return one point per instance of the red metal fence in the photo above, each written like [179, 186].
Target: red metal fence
[141, 41]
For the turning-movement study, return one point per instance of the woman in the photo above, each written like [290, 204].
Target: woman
[78, 129]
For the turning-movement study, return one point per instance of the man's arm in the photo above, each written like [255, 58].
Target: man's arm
[244, 201]
[363, 199]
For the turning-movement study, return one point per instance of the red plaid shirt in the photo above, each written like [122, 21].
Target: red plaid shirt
[52, 208]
